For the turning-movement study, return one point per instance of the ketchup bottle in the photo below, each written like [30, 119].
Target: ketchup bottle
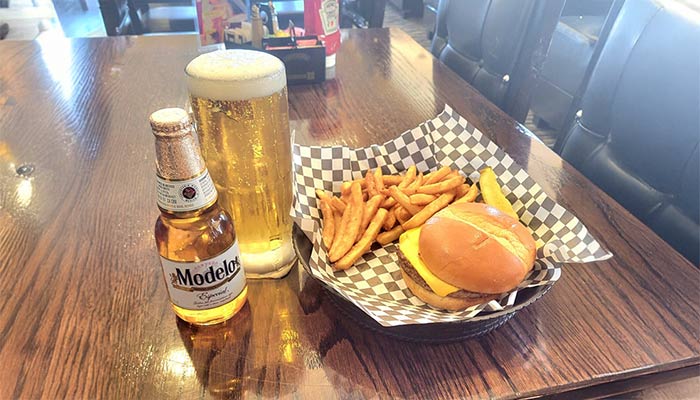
[322, 17]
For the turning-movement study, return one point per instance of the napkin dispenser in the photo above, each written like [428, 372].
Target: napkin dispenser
[304, 57]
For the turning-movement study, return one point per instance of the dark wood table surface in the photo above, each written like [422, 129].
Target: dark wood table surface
[84, 312]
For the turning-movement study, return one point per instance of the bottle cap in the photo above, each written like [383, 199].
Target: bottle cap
[172, 122]
[177, 152]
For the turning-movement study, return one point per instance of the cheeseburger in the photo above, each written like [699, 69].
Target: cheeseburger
[466, 254]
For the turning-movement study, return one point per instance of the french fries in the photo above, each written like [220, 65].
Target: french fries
[370, 184]
[338, 205]
[349, 225]
[328, 223]
[392, 180]
[428, 211]
[437, 175]
[365, 242]
[379, 179]
[408, 178]
[371, 208]
[470, 196]
[341, 223]
[390, 202]
[416, 183]
[462, 190]
[345, 190]
[378, 207]
[441, 187]
[403, 200]
[390, 235]
[337, 217]
[322, 195]
[421, 199]
[402, 215]
[390, 221]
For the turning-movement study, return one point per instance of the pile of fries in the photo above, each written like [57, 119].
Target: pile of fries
[382, 207]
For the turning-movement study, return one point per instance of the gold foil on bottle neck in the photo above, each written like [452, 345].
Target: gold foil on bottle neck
[177, 151]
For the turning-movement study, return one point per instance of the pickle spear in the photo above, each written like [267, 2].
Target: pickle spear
[492, 194]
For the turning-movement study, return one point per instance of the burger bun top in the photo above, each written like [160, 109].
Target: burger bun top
[478, 248]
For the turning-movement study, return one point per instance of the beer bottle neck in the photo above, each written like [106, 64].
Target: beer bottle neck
[177, 152]
[183, 183]
[178, 158]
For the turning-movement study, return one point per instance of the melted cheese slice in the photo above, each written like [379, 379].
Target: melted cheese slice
[408, 242]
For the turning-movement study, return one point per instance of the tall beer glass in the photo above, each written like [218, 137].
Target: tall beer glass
[239, 101]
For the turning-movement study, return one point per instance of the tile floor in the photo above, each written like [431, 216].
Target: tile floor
[417, 28]
[29, 18]
[77, 22]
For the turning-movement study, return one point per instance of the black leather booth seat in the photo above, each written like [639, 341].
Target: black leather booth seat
[639, 132]
[570, 51]
[482, 40]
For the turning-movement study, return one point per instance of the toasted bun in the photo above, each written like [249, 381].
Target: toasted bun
[477, 248]
[445, 303]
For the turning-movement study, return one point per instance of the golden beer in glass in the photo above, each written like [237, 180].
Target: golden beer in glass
[239, 102]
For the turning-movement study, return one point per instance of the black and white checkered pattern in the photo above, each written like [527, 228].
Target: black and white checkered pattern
[374, 284]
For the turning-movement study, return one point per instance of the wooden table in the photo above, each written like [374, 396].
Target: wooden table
[84, 312]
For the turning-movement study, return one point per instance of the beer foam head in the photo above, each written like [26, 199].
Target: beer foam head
[235, 75]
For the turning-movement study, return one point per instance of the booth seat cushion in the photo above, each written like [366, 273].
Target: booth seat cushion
[481, 40]
[639, 132]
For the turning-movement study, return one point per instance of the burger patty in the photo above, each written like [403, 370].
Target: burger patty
[408, 268]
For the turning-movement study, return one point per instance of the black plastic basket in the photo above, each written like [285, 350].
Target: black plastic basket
[426, 333]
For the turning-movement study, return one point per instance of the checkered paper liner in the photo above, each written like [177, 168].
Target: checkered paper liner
[374, 283]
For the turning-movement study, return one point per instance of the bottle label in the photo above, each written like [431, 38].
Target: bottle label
[188, 195]
[206, 284]
[329, 12]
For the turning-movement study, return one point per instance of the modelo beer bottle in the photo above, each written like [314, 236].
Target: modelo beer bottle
[195, 237]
